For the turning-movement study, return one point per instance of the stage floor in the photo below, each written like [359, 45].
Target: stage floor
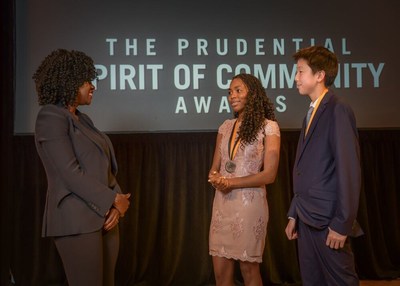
[380, 283]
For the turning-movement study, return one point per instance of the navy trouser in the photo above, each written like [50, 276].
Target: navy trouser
[319, 264]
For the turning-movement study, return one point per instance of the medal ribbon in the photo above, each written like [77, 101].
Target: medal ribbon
[233, 150]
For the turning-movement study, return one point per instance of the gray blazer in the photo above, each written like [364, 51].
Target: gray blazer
[80, 166]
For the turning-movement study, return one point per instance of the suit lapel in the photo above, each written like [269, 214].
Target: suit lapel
[112, 154]
[301, 142]
[94, 138]
[305, 140]
[90, 134]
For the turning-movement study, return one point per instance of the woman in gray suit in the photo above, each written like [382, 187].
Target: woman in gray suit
[84, 201]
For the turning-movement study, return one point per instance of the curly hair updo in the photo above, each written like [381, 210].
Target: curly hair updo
[257, 109]
[60, 75]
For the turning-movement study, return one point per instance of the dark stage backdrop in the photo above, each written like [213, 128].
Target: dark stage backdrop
[164, 237]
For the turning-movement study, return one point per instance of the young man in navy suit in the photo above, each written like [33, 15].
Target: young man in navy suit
[326, 176]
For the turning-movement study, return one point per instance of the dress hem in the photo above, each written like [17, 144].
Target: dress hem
[235, 258]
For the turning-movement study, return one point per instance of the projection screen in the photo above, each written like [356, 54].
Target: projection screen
[165, 66]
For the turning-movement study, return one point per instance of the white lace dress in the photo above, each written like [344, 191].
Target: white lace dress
[239, 219]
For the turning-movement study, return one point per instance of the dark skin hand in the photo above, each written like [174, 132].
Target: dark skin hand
[112, 219]
[121, 203]
[218, 182]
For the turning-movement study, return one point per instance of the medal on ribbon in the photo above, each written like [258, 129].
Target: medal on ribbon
[230, 165]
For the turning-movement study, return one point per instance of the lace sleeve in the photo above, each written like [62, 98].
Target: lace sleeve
[272, 128]
[226, 125]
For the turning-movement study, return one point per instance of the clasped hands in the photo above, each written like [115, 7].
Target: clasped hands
[118, 209]
[219, 182]
[121, 203]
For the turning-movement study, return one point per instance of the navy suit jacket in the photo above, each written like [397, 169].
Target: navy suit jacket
[80, 166]
[326, 173]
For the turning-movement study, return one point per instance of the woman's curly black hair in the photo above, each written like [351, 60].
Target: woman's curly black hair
[257, 109]
[60, 75]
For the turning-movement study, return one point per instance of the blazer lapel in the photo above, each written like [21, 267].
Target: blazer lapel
[112, 154]
[90, 135]
[301, 142]
[86, 131]
[314, 122]
[105, 137]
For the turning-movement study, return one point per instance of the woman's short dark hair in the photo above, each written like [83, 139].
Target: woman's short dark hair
[320, 58]
[60, 75]
[257, 109]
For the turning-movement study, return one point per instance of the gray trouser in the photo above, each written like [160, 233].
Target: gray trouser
[90, 258]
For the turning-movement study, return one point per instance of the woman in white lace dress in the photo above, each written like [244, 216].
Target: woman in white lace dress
[246, 159]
